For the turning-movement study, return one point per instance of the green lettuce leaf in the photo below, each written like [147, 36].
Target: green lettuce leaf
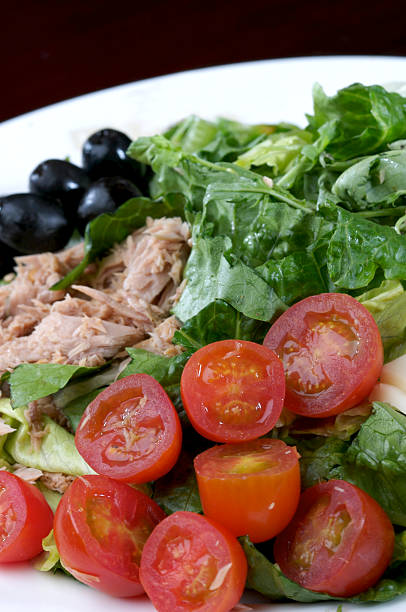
[359, 247]
[374, 182]
[213, 274]
[366, 118]
[178, 489]
[56, 451]
[219, 321]
[166, 370]
[31, 381]
[49, 559]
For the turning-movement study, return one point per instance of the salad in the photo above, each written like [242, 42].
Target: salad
[245, 221]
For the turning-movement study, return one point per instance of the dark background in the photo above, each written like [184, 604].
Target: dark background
[56, 49]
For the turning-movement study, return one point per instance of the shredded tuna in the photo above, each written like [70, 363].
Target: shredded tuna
[4, 428]
[160, 340]
[27, 473]
[27, 299]
[34, 415]
[56, 481]
[128, 299]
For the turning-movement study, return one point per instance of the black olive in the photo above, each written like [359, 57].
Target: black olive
[104, 195]
[7, 262]
[31, 223]
[61, 180]
[104, 154]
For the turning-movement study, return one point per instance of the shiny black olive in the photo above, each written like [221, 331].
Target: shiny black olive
[31, 223]
[61, 180]
[7, 262]
[104, 195]
[104, 154]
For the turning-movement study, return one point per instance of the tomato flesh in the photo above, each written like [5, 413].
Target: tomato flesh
[25, 519]
[252, 487]
[339, 542]
[100, 528]
[130, 431]
[331, 351]
[233, 390]
[192, 563]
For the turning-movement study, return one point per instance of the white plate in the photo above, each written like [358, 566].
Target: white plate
[267, 91]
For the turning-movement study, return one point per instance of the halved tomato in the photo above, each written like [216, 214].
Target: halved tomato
[331, 351]
[340, 541]
[25, 519]
[130, 431]
[190, 562]
[100, 528]
[252, 487]
[233, 390]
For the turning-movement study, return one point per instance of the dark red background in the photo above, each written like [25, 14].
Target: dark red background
[55, 49]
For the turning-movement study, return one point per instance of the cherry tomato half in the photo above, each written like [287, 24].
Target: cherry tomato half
[332, 353]
[252, 487]
[100, 528]
[339, 542]
[233, 390]
[190, 562]
[130, 431]
[25, 519]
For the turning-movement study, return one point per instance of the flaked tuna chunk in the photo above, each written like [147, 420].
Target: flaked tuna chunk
[27, 299]
[160, 339]
[60, 338]
[147, 265]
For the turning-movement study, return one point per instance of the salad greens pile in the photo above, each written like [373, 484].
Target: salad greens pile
[277, 213]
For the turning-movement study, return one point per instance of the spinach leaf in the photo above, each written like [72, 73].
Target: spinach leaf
[75, 409]
[266, 578]
[213, 274]
[166, 370]
[111, 228]
[320, 458]
[365, 119]
[374, 182]
[358, 247]
[219, 321]
[178, 489]
[376, 460]
[31, 381]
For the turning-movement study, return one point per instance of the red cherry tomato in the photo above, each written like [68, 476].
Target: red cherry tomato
[100, 528]
[340, 541]
[253, 488]
[332, 353]
[190, 562]
[233, 390]
[130, 431]
[25, 519]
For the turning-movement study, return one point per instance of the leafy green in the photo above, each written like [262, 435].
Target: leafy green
[75, 409]
[31, 381]
[219, 321]
[376, 460]
[55, 452]
[213, 274]
[387, 303]
[216, 141]
[266, 578]
[320, 458]
[358, 247]
[109, 229]
[374, 182]
[178, 489]
[166, 370]
[277, 154]
[49, 559]
[365, 119]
